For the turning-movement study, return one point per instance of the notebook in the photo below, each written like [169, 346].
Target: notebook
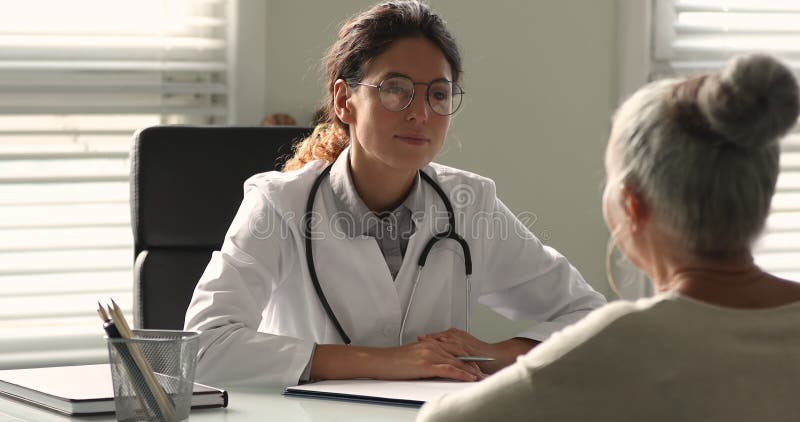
[400, 393]
[82, 390]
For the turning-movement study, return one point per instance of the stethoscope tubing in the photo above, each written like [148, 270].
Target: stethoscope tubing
[450, 233]
[312, 269]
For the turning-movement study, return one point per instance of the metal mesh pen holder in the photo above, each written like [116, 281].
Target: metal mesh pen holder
[153, 374]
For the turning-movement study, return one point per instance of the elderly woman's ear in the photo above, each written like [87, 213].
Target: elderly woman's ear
[637, 211]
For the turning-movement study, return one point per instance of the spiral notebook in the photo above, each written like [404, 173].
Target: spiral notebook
[82, 390]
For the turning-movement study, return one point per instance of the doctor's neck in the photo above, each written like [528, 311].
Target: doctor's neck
[382, 188]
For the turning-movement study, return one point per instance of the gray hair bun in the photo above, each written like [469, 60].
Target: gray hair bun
[752, 102]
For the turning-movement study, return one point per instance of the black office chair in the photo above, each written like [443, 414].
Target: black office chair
[186, 185]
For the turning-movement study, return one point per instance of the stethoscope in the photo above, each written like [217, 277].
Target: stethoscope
[449, 233]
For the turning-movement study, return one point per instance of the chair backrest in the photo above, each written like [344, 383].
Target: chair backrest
[186, 185]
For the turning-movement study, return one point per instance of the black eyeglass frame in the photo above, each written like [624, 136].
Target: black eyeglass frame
[460, 92]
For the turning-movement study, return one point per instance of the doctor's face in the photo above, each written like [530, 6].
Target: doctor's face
[409, 139]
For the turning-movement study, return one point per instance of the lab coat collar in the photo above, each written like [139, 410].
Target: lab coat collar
[359, 220]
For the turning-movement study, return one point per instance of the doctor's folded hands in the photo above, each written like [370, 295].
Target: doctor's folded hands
[363, 257]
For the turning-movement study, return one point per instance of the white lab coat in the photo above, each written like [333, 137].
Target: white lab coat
[260, 316]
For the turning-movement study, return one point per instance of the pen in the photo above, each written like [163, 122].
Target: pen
[475, 358]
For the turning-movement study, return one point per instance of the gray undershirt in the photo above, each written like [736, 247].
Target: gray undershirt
[390, 229]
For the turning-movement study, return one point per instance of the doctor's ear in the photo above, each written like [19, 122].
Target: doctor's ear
[636, 209]
[341, 102]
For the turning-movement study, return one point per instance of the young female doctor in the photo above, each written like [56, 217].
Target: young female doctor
[363, 258]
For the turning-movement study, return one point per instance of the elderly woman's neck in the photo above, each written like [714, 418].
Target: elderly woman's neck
[733, 281]
[726, 271]
[673, 267]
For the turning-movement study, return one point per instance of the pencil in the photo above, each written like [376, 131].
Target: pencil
[163, 402]
[143, 394]
[102, 312]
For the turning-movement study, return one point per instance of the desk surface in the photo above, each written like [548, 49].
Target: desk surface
[245, 404]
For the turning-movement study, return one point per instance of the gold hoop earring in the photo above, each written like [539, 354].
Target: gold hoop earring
[610, 274]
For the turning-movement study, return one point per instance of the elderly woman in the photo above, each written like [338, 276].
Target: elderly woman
[691, 166]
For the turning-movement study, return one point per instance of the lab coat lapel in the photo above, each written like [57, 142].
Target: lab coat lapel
[356, 281]
[438, 301]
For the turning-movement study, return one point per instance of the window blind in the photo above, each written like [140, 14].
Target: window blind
[77, 79]
[692, 36]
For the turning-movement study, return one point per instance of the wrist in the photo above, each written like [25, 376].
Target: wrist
[506, 352]
[517, 346]
[338, 361]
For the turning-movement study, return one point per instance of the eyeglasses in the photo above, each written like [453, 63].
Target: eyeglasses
[397, 92]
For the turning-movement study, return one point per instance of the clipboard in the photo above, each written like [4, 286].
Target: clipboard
[412, 393]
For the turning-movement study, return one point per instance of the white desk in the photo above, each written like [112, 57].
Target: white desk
[245, 404]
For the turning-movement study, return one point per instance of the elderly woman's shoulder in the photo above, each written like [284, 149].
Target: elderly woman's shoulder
[605, 328]
[664, 324]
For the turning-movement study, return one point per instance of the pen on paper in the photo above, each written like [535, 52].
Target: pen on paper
[475, 358]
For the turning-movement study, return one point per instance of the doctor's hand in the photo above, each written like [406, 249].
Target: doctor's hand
[504, 352]
[430, 360]
[412, 361]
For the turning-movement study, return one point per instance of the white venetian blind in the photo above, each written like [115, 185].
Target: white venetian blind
[692, 36]
[77, 78]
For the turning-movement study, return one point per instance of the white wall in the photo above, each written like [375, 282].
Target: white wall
[541, 84]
